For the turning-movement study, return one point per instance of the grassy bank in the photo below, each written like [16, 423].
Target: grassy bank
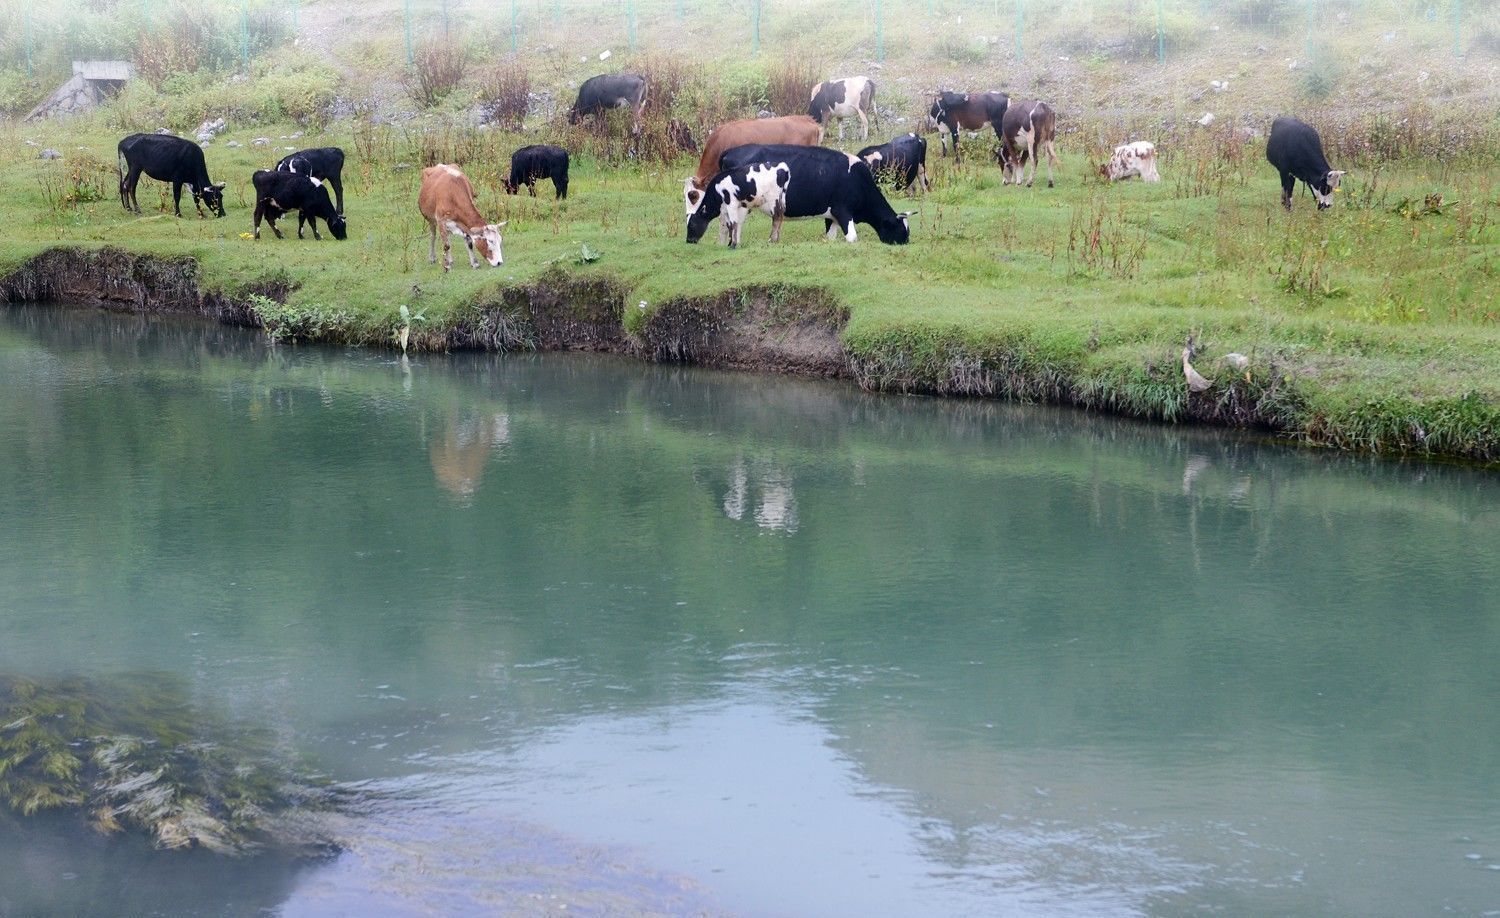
[1372, 326]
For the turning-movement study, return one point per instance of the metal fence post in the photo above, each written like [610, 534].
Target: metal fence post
[630, 21]
[1161, 34]
[245, 35]
[879, 31]
[296, 17]
[1020, 19]
[755, 33]
[1458, 26]
[515, 41]
[409, 56]
[30, 42]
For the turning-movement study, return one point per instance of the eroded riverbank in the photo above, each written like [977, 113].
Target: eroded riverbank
[786, 330]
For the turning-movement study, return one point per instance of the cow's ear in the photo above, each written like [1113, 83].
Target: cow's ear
[1333, 178]
[217, 187]
[501, 223]
[693, 195]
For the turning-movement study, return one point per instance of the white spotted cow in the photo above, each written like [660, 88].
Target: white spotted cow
[1029, 129]
[1132, 159]
[734, 193]
[850, 97]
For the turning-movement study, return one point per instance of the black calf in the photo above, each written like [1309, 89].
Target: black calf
[538, 161]
[278, 193]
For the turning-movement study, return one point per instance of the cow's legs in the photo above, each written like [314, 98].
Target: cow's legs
[777, 218]
[260, 211]
[864, 125]
[1030, 159]
[845, 221]
[132, 182]
[1288, 185]
[723, 230]
[531, 186]
[432, 244]
[560, 188]
[922, 174]
[177, 197]
[828, 227]
[841, 130]
[1051, 161]
[338, 191]
[469, 243]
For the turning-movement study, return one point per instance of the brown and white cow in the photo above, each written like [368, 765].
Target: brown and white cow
[797, 130]
[1027, 130]
[970, 111]
[1131, 159]
[849, 97]
[447, 201]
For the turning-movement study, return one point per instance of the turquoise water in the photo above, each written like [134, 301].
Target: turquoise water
[652, 640]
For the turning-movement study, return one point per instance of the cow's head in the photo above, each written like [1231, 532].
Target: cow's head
[706, 205]
[212, 196]
[486, 241]
[338, 227]
[817, 110]
[511, 186]
[1323, 189]
[692, 194]
[897, 231]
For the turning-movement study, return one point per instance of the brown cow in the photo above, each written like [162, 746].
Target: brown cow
[967, 110]
[798, 130]
[1029, 128]
[447, 201]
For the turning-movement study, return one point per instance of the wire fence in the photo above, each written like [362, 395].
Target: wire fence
[35, 39]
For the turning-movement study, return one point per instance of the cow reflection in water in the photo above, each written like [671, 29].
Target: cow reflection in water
[459, 456]
[775, 503]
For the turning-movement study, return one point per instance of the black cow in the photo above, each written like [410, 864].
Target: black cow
[951, 111]
[610, 90]
[279, 193]
[903, 159]
[167, 159]
[538, 161]
[324, 163]
[1296, 151]
[830, 184]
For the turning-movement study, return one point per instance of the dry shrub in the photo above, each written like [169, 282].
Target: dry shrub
[789, 85]
[505, 95]
[667, 78]
[436, 70]
[176, 46]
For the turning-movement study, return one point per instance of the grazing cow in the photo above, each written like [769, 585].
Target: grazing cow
[830, 184]
[611, 90]
[538, 161]
[904, 158]
[278, 193]
[799, 130]
[1131, 159]
[167, 159]
[447, 201]
[1296, 151]
[846, 98]
[733, 193]
[323, 163]
[970, 111]
[1028, 129]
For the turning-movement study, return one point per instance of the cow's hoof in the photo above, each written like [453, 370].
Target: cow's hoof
[1049, 183]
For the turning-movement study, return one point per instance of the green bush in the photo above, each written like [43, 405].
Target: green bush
[18, 95]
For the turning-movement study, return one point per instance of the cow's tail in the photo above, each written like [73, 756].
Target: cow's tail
[121, 167]
[870, 100]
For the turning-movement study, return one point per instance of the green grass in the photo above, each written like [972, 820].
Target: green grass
[1366, 328]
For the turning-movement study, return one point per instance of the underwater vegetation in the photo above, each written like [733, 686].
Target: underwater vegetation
[133, 753]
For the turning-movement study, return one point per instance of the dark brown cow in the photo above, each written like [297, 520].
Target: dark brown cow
[1028, 129]
[970, 111]
[799, 130]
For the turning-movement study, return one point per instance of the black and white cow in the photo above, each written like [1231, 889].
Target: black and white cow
[904, 159]
[1028, 130]
[538, 161]
[830, 184]
[1296, 151]
[611, 90]
[733, 193]
[167, 159]
[322, 163]
[952, 111]
[850, 97]
[279, 193]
